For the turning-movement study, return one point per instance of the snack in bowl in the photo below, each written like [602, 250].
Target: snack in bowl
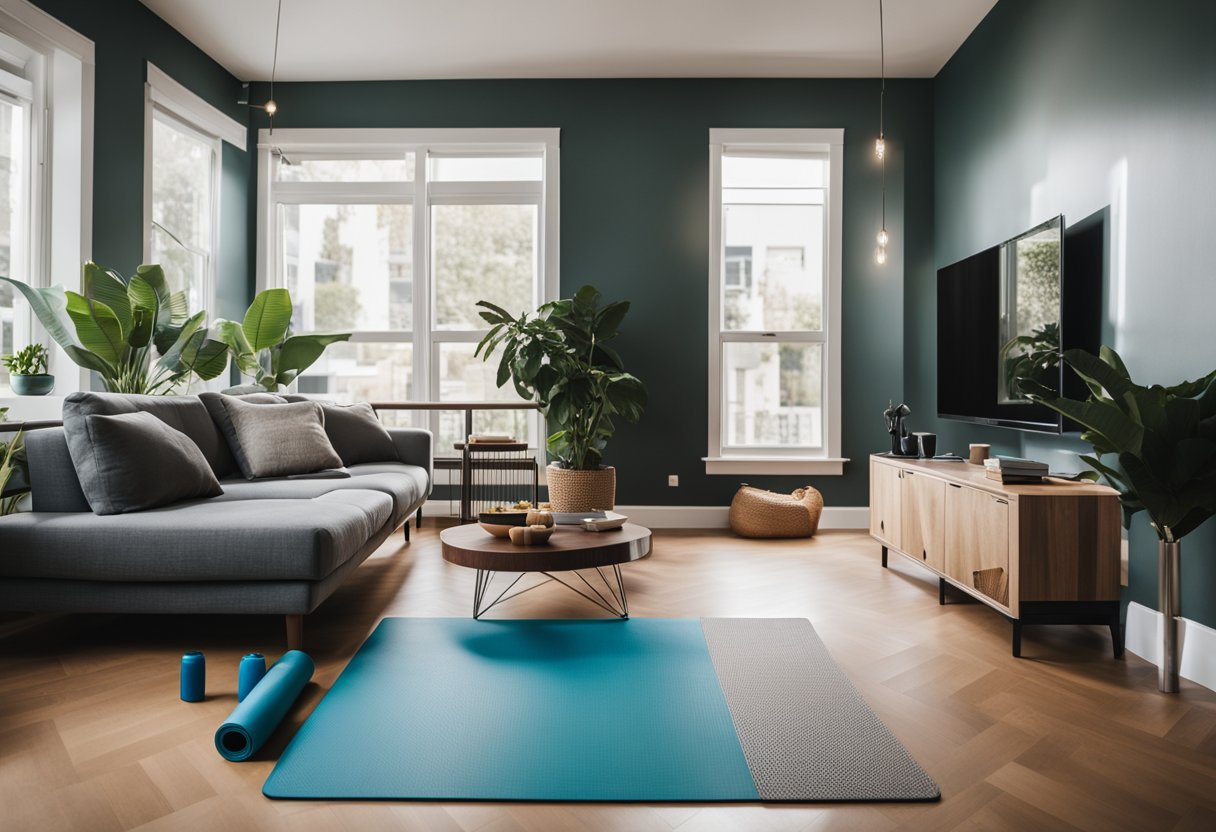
[537, 517]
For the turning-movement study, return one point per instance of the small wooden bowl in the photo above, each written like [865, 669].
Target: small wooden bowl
[530, 535]
[500, 523]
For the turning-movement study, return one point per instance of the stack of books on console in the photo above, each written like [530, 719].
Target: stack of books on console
[1011, 470]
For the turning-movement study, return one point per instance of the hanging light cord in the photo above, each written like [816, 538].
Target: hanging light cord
[274, 64]
[882, 94]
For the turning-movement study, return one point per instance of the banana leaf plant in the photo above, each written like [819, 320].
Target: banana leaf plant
[1035, 357]
[1155, 445]
[134, 332]
[263, 345]
[560, 358]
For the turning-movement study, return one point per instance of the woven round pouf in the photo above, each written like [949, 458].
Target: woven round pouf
[755, 512]
[573, 490]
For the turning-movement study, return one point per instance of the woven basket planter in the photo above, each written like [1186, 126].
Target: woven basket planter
[571, 490]
[755, 512]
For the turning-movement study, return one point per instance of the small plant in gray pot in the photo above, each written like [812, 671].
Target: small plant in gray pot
[27, 369]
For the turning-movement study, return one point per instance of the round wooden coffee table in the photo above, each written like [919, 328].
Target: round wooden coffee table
[570, 549]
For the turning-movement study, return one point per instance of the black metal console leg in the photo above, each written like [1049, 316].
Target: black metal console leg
[884, 557]
[941, 591]
[1116, 634]
[1017, 638]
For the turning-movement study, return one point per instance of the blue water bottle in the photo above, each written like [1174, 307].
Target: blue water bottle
[253, 668]
[194, 676]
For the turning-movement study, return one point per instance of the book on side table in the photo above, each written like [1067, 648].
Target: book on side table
[1013, 470]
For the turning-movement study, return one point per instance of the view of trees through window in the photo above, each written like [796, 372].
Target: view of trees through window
[350, 266]
[183, 177]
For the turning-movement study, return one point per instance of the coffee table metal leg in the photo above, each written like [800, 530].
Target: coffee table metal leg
[618, 605]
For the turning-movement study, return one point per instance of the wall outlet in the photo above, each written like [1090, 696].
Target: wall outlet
[673, 480]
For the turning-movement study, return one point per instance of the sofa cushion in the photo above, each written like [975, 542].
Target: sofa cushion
[407, 485]
[134, 461]
[184, 413]
[275, 440]
[357, 434]
[243, 540]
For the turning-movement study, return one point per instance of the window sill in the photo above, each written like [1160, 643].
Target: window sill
[824, 466]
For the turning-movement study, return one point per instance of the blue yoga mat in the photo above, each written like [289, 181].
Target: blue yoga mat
[583, 710]
[255, 719]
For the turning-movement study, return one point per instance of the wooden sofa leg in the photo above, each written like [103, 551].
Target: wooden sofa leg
[295, 632]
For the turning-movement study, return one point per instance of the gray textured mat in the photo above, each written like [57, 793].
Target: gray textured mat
[805, 730]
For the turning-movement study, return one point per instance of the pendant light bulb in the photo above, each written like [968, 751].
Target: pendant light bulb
[880, 255]
[271, 107]
[883, 238]
[880, 147]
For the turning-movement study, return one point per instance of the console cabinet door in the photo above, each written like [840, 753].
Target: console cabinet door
[977, 541]
[885, 502]
[923, 518]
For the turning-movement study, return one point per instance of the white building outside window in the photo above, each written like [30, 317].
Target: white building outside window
[774, 284]
[395, 235]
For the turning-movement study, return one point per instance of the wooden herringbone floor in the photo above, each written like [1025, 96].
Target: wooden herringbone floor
[93, 736]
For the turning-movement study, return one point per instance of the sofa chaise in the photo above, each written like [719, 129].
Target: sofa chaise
[278, 545]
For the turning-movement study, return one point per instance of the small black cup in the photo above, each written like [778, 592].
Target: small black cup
[928, 445]
[908, 445]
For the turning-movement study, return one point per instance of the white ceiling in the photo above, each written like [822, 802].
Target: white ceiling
[335, 40]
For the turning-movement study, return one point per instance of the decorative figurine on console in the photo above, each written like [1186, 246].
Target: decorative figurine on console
[895, 426]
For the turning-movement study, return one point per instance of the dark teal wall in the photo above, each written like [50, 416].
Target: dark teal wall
[635, 222]
[1078, 107]
[127, 35]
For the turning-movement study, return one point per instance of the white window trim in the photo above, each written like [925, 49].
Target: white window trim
[359, 143]
[827, 460]
[66, 212]
[191, 108]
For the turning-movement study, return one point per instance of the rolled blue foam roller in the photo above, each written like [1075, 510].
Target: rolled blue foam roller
[254, 720]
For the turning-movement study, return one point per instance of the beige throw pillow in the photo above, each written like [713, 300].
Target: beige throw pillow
[278, 440]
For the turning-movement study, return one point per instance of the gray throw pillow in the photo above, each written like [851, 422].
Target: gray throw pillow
[357, 434]
[134, 461]
[277, 440]
[184, 413]
[214, 405]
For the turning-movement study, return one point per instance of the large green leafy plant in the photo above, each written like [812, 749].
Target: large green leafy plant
[12, 461]
[134, 332]
[263, 345]
[1155, 445]
[559, 357]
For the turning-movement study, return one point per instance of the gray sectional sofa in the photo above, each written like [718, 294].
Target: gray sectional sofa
[277, 545]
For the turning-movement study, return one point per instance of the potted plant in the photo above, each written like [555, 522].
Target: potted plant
[559, 357]
[117, 325]
[27, 373]
[1157, 447]
[12, 461]
[264, 347]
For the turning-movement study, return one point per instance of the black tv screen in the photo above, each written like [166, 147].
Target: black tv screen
[1000, 324]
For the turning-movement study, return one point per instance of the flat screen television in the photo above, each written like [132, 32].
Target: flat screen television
[1006, 313]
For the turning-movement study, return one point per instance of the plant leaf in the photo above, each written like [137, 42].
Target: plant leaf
[300, 351]
[97, 327]
[50, 306]
[102, 285]
[268, 318]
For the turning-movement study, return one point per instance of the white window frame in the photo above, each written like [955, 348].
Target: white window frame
[825, 460]
[61, 167]
[189, 113]
[422, 194]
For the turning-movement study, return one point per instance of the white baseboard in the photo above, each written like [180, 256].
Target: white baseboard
[694, 517]
[1196, 642]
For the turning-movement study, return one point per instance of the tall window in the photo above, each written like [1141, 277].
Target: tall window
[775, 301]
[19, 188]
[395, 235]
[184, 136]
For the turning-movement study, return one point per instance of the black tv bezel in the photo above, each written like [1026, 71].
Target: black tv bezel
[1055, 427]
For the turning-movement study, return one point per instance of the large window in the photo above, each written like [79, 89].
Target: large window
[775, 301]
[395, 235]
[184, 136]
